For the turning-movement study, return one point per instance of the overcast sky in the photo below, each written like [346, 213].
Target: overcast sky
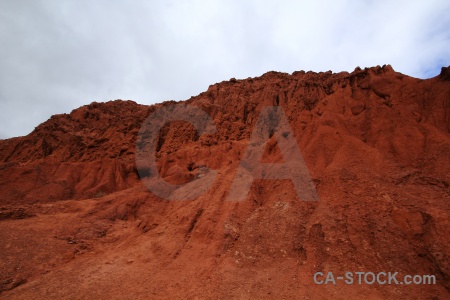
[58, 55]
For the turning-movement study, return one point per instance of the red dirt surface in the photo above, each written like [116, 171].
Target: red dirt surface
[76, 222]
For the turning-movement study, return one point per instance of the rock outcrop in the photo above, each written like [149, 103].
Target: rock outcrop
[75, 218]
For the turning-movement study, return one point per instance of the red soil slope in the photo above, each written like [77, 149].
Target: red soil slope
[76, 221]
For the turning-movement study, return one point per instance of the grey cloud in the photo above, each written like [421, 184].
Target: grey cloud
[58, 55]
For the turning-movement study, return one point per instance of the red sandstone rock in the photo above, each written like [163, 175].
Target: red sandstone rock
[76, 221]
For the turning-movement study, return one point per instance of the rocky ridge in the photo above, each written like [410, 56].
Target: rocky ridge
[376, 143]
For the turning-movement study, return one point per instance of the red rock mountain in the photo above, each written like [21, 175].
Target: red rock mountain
[77, 222]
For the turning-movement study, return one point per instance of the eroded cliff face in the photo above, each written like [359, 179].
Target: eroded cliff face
[74, 212]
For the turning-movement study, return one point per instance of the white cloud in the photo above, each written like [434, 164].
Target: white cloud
[56, 56]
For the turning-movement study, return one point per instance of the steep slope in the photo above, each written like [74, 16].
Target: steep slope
[76, 221]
